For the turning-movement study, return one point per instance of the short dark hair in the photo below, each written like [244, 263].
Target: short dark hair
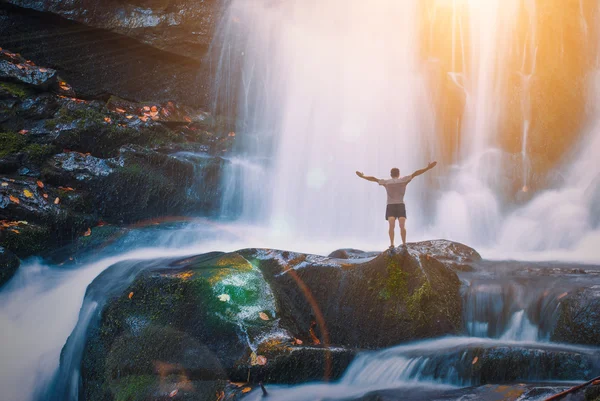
[395, 172]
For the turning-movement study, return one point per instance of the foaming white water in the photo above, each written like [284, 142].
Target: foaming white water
[566, 218]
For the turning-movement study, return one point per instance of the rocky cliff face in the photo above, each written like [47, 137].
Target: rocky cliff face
[70, 167]
[179, 26]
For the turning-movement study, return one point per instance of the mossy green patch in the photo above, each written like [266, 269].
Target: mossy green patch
[11, 142]
[396, 283]
[38, 154]
[31, 240]
[135, 387]
[16, 90]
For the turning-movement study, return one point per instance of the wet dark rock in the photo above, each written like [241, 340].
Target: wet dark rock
[38, 107]
[121, 65]
[578, 316]
[498, 363]
[179, 26]
[452, 254]
[13, 67]
[348, 253]
[43, 222]
[70, 167]
[294, 364]
[9, 263]
[222, 305]
[488, 392]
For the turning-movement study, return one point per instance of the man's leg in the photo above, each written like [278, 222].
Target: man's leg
[392, 222]
[402, 224]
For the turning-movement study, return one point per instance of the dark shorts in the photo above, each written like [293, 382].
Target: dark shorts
[395, 210]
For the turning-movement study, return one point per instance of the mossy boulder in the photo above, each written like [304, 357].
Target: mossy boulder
[394, 297]
[9, 263]
[263, 315]
[197, 318]
[578, 317]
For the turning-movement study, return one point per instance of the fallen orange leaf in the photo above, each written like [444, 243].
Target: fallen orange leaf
[56, 201]
[40, 184]
[263, 316]
[261, 360]
[107, 119]
[246, 390]
[14, 199]
[23, 132]
[154, 109]
[146, 108]
[564, 294]
[43, 70]
[65, 87]
[173, 393]
[15, 231]
[130, 295]
[144, 118]
[475, 360]
[88, 232]
[45, 196]
[119, 110]
[129, 117]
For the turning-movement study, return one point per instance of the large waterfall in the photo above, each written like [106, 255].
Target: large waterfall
[330, 87]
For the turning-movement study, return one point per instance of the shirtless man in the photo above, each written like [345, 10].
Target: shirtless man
[396, 187]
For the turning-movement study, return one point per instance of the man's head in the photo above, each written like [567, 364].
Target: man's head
[395, 173]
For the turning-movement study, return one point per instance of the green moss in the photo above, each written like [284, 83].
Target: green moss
[38, 154]
[17, 90]
[396, 284]
[66, 116]
[418, 303]
[51, 124]
[134, 388]
[11, 142]
[31, 240]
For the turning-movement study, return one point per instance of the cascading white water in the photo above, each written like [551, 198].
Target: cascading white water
[343, 91]
[329, 87]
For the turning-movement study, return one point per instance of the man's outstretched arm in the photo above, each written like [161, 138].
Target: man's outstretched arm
[423, 170]
[366, 177]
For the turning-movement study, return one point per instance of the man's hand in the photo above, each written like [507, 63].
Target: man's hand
[424, 170]
[361, 175]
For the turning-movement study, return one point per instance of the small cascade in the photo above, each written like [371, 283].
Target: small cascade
[465, 361]
[509, 309]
